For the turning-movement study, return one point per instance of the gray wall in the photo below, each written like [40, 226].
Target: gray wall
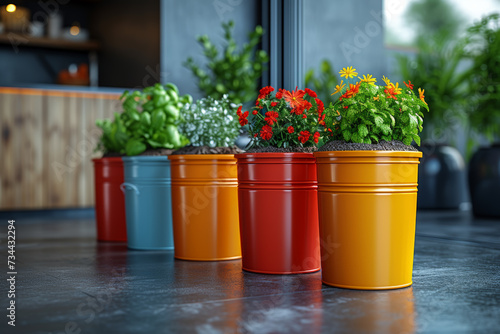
[183, 21]
[346, 33]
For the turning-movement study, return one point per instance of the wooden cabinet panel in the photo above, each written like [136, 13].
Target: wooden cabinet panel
[47, 143]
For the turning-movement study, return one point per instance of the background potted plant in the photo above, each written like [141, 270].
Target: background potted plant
[108, 176]
[150, 132]
[277, 184]
[234, 71]
[484, 115]
[367, 176]
[204, 183]
[439, 64]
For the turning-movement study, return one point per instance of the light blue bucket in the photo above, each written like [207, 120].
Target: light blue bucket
[148, 204]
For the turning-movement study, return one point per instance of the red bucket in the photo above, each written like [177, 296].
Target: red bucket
[109, 199]
[278, 209]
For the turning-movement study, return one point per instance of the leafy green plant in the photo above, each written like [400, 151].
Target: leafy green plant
[368, 113]
[324, 83]
[148, 121]
[233, 72]
[484, 99]
[439, 66]
[209, 122]
[285, 119]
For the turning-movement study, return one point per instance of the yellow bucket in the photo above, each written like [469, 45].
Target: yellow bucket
[367, 212]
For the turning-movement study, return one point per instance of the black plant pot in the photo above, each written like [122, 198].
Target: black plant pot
[441, 178]
[484, 181]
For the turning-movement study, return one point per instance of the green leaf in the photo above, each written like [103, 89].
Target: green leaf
[362, 130]
[347, 135]
[386, 129]
[416, 138]
[355, 138]
[134, 147]
[146, 119]
[158, 119]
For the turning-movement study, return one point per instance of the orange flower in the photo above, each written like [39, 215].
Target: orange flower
[295, 98]
[409, 84]
[421, 94]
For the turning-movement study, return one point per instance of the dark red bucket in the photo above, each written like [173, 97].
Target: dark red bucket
[109, 199]
[278, 208]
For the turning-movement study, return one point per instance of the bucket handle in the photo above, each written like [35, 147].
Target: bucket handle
[124, 186]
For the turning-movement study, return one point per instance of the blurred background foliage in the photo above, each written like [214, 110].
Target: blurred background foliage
[232, 70]
[324, 82]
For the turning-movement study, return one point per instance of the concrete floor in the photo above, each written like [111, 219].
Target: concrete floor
[69, 283]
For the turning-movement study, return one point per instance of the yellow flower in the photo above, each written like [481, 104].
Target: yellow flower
[376, 98]
[421, 94]
[348, 72]
[368, 79]
[386, 80]
[397, 89]
[338, 88]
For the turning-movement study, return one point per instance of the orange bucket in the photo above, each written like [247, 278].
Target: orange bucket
[205, 207]
[367, 212]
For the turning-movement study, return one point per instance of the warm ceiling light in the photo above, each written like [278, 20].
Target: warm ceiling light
[10, 8]
[74, 30]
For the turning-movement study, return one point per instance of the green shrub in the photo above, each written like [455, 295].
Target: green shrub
[233, 72]
[368, 113]
[484, 99]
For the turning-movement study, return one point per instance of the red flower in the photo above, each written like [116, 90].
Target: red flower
[243, 118]
[271, 117]
[304, 116]
[307, 105]
[255, 135]
[321, 106]
[265, 91]
[391, 93]
[238, 112]
[304, 136]
[298, 110]
[255, 112]
[267, 132]
[311, 93]
[280, 93]
[274, 104]
[316, 137]
[291, 129]
[409, 84]
[329, 130]
[295, 98]
[321, 119]
[345, 107]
